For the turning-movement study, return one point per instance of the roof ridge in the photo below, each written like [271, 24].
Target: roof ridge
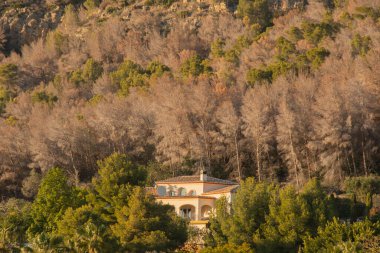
[196, 178]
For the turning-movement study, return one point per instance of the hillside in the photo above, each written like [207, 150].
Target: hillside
[280, 90]
[100, 99]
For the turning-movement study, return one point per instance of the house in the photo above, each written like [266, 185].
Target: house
[193, 197]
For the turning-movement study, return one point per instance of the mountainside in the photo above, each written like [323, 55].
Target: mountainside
[280, 90]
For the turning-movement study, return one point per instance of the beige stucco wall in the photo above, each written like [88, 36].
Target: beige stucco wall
[198, 187]
[228, 195]
[198, 203]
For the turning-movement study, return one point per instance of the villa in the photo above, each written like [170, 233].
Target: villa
[193, 197]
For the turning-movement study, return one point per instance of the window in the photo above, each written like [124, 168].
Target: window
[186, 213]
[192, 193]
[161, 190]
[181, 192]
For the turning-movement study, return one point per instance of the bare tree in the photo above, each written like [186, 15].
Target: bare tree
[258, 114]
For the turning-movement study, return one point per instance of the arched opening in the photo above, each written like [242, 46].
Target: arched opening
[206, 211]
[187, 212]
[161, 190]
[171, 191]
[181, 191]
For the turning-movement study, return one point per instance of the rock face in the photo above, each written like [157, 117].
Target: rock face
[24, 21]
[286, 5]
[23, 25]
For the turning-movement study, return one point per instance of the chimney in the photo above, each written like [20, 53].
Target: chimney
[203, 175]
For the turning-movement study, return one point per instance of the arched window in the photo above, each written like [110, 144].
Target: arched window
[206, 211]
[192, 193]
[187, 212]
[181, 191]
[161, 190]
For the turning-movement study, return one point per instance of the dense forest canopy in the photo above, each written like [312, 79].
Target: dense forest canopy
[283, 91]
[100, 98]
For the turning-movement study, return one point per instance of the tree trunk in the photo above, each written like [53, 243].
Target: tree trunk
[237, 156]
[258, 161]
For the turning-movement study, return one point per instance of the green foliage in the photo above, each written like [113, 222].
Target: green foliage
[317, 56]
[342, 237]
[285, 224]
[255, 12]
[229, 248]
[14, 221]
[156, 69]
[320, 207]
[218, 224]
[362, 186]
[250, 207]
[8, 74]
[43, 97]
[195, 66]
[284, 48]
[248, 212]
[5, 97]
[129, 74]
[365, 11]
[144, 225]
[360, 45]
[340, 3]
[83, 230]
[244, 41]
[54, 196]
[91, 4]
[315, 32]
[89, 73]
[255, 76]
[92, 70]
[217, 48]
[281, 67]
[295, 34]
[59, 41]
[292, 216]
[114, 184]
[76, 77]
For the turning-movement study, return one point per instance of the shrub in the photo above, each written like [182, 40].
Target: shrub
[156, 69]
[360, 45]
[315, 32]
[217, 48]
[337, 236]
[255, 12]
[284, 48]
[259, 75]
[91, 4]
[195, 66]
[8, 74]
[316, 56]
[43, 97]
[295, 34]
[129, 74]
[361, 186]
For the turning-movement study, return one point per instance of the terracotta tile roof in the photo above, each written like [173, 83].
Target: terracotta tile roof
[222, 190]
[196, 178]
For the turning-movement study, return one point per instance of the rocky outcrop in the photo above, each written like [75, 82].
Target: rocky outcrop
[281, 6]
[23, 25]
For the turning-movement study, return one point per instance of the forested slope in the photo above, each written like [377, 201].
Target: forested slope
[281, 90]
